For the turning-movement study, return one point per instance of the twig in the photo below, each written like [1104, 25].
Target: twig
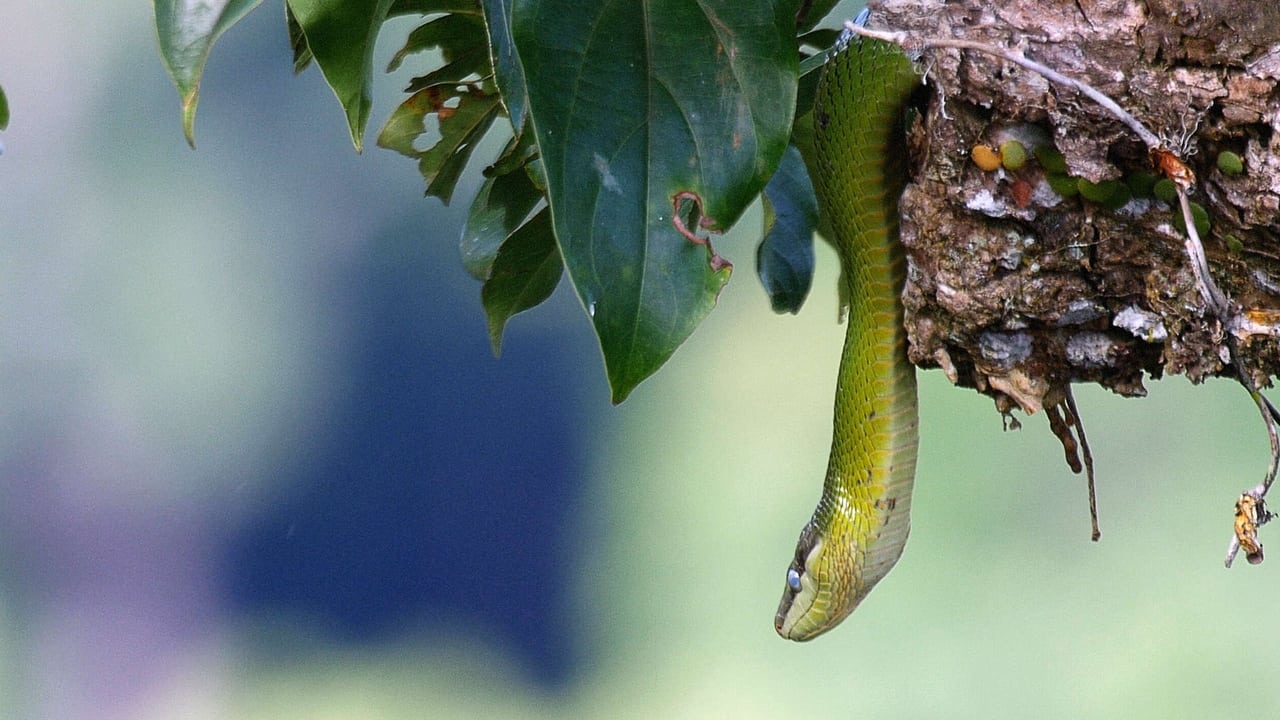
[1209, 290]
[1088, 465]
[1067, 425]
[1251, 509]
[1251, 512]
[917, 45]
[1062, 429]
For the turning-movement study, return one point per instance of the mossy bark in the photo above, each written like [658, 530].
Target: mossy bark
[1017, 289]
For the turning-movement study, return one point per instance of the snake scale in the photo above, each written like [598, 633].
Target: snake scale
[860, 525]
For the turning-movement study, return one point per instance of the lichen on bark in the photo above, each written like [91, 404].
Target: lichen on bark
[1018, 289]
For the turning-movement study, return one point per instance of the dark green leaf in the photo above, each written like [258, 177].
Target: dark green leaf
[187, 30]
[297, 41]
[784, 259]
[431, 7]
[4, 110]
[507, 71]
[525, 272]
[500, 207]
[341, 35]
[462, 43]
[461, 71]
[538, 174]
[407, 123]
[802, 139]
[442, 165]
[810, 70]
[638, 104]
[462, 125]
[519, 152]
[812, 13]
[822, 39]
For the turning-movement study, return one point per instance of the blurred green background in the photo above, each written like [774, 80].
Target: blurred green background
[256, 461]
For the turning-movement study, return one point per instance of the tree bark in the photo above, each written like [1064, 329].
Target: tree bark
[1016, 290]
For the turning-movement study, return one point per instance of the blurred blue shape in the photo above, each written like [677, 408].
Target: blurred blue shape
[446, 487]
[442, 488]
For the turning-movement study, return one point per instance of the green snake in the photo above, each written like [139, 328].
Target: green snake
[861, 523]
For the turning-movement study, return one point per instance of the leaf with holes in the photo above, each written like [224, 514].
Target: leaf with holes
[462, 125]
[463, 46]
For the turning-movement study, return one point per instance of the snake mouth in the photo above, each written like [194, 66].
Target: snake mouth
[780, 620]
[793, 611]
[790, 612]
[780, 624]
[800, 593]
[790, 622]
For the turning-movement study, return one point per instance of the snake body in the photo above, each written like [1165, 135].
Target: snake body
[860, 525]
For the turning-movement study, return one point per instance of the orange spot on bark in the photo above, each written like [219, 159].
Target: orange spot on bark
[1021, 192]
[1172, 167]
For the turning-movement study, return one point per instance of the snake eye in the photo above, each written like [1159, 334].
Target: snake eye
[793, 579]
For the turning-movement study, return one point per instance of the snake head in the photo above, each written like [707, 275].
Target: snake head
[818, 593]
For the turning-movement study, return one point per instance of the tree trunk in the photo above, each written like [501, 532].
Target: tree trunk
[1018, 290]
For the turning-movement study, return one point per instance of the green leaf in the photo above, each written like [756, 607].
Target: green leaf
[442, 165]
[4, 110]
[462, 42]
[518, 153]
[823, 41]
[298, 41]
[341, 35]
[815, 12]
[507, 71]
[784, 259]
[635, 106]
[525, 273]
[187, 30]
[802, 139]
[462, 125]
[500, 207]
[430, 7]
[537, 173]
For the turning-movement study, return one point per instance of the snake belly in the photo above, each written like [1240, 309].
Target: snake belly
[860, 525]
